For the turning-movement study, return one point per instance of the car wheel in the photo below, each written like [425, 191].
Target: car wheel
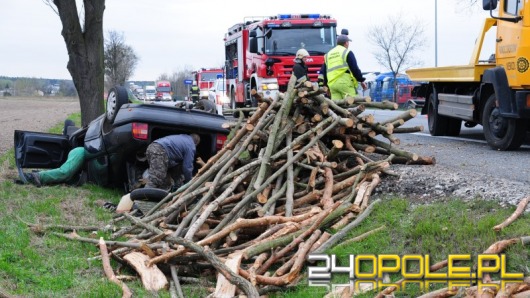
[148, 194]
[117, 97]
[206, 106]
[501, 133]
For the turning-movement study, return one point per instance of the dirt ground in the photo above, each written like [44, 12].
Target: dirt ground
[33, 114]
[421, 184]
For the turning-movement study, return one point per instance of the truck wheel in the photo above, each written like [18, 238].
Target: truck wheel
[501, 133]
[437, 123]
[117, 97]
[233, 104]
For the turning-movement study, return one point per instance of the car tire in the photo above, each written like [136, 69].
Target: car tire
[206, 106]
[148, 194]
[116, 98]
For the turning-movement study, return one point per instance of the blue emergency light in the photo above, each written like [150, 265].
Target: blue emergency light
[299, 16]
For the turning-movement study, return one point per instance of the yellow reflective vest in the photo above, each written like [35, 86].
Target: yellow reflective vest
[336, 64]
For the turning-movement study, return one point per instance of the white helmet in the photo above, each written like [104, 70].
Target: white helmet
[301, 53]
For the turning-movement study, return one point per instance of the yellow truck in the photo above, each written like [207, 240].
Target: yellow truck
[494, 93]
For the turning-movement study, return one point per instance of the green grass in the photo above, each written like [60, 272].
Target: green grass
[44, 265]
[438, 229]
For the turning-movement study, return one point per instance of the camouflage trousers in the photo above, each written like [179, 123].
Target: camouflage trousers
[160, 176]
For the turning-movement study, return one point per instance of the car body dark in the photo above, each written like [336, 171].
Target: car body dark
[117, 143]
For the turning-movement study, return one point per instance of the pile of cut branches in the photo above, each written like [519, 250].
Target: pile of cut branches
[295, 168]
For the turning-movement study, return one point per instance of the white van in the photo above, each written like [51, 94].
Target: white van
[150, 93]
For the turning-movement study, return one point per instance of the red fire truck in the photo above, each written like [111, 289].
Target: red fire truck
[163, 90]
[260, 52]
[206, 78]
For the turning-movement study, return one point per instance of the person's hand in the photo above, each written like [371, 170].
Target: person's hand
[200, 162]
[363, 84]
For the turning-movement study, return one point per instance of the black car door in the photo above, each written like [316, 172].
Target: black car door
[40, 150]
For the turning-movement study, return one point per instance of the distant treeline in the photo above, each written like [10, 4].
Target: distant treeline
[23, 86]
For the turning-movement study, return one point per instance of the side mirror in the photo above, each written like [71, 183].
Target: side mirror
[345, 31]
[253, 45]
[489, 4]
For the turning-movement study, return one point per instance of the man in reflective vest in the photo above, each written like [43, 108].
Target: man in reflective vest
[340, 70]
[195, 92]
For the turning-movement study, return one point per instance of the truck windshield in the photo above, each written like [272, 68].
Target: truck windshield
[164, 89]
[286, 41]
[210, 76]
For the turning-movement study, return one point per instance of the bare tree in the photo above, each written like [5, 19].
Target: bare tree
[177, 80]
[120, 60]
[83, 35]
[396, 42]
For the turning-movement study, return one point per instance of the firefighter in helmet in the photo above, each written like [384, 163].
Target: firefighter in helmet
[300, 69]
[195, 91]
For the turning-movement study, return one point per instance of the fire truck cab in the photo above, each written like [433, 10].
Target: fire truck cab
[260, 53]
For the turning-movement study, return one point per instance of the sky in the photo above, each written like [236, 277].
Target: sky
[172, 35]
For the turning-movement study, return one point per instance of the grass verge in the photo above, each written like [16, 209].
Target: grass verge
[44, 265]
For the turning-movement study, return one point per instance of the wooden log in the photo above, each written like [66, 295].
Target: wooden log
[340, 234]
[518, 211]
[362, 236]
[356, 111]
[394, 150]
[422, 160]
[322, 99]
[316, 223]
[232, 276]
[337, 147]
[280, 117]
[441, 293]
[213, 206]
[385, 105]
[108, 269]
[304, 249]
[176, 283]
[408, 129]
[512, 288]
[246, 223]
[289, 191]
[153, 279]
[343, 221]
[405, 116]
[224, 288]
[264, 195]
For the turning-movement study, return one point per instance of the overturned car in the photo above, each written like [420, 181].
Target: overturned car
[117, 140]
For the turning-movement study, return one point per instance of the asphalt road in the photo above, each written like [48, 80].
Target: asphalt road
[469, 151]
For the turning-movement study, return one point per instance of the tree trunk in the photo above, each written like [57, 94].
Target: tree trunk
[85, 53]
